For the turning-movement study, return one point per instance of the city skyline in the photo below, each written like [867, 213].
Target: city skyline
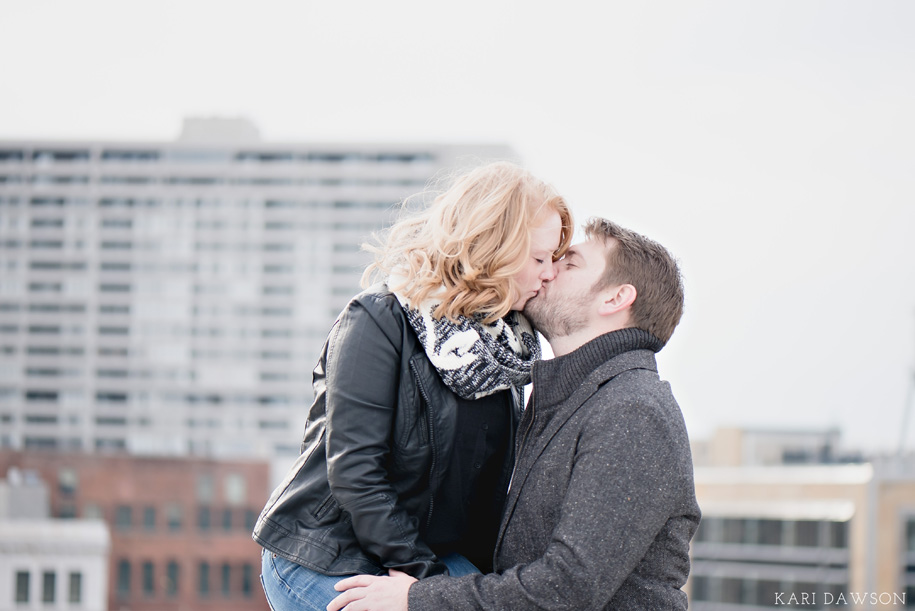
[767, 144]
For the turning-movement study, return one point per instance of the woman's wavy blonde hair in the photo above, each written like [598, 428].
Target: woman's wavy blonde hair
[466, 248]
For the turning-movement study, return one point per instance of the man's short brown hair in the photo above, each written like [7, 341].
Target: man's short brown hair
[650, 268]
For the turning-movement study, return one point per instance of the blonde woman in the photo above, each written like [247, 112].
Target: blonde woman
[408, 448]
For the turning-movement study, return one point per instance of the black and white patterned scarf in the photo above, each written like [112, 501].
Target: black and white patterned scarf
[475, 359]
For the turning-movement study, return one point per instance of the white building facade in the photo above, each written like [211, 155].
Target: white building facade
[172, 298]
[53, 565]
[46, 563]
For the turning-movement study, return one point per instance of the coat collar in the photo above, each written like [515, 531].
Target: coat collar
[555, 380]
[558, 383]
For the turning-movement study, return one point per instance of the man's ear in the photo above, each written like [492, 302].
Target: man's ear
[616, 299]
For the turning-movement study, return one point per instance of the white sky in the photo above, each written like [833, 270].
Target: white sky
[770, 144]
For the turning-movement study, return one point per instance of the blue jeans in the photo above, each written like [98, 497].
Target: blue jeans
[292, 587]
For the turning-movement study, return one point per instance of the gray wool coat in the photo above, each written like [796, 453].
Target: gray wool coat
[602, 505]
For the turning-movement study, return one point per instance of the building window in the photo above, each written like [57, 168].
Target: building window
[123, 586]
[204, 518]
[235, 489]
[766, 591]
[733, 529]
[67, 481]
[75, 594]
[206, 488]
[46, 396]
[148, 579]
[171, 578]
[111, 397]
[699, 588]
[173, 515]
[247, 575]
[42, 443]
[91, 511]
[51, 155]
[123, 518]
[250, 519]
[226, 580]
[110, 445]
[227, 519]
[45, 287]
[203, 583]
[66, 511]
[910, 536]
[48, 586]
[22, 586]
[770, 532]
[731, 590]
[149, 518]
[806, 533]
[838, 535]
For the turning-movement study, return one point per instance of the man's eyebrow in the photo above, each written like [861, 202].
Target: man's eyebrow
[571, 252]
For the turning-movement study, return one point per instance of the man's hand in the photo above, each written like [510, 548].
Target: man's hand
[373, 593]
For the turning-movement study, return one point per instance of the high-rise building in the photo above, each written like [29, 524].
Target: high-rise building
[170, 298]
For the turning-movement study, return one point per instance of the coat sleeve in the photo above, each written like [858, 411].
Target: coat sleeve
[618, 499]
[363, 369]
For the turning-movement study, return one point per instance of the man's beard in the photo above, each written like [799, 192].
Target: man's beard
[557, 314]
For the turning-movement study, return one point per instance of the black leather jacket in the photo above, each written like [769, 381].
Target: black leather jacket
[378, 439]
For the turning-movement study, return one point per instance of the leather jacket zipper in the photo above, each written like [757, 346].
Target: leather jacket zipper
[522, 443]
[429, 420]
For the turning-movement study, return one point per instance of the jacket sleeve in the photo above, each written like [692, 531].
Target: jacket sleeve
[363, 370]
[619, 498]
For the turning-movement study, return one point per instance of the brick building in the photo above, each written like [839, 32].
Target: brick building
[180, 527]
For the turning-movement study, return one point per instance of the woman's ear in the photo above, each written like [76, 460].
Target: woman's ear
[616, 299]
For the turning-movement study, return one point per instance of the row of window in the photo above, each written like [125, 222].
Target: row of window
[111, 423]
[30, 442]
[121, 330]
[118, 421]
[123, 351]
[124, 309]
[123, 287]
[224, 579]
[234, 486]
[126, 223]
[48, 583]
[764, 593]
[154, 155]
[191, 202]
[172, 268]
[207, 518]
[791, 533]
[75, 396]
[198, 246]
[113, 445]
[261, 181]
[143, 374]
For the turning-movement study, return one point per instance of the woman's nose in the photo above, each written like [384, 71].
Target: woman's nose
[549, 273]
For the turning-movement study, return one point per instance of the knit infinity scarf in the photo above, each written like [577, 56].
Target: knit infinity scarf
[475, 359]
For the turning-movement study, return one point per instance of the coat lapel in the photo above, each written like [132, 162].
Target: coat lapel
[534, 447]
